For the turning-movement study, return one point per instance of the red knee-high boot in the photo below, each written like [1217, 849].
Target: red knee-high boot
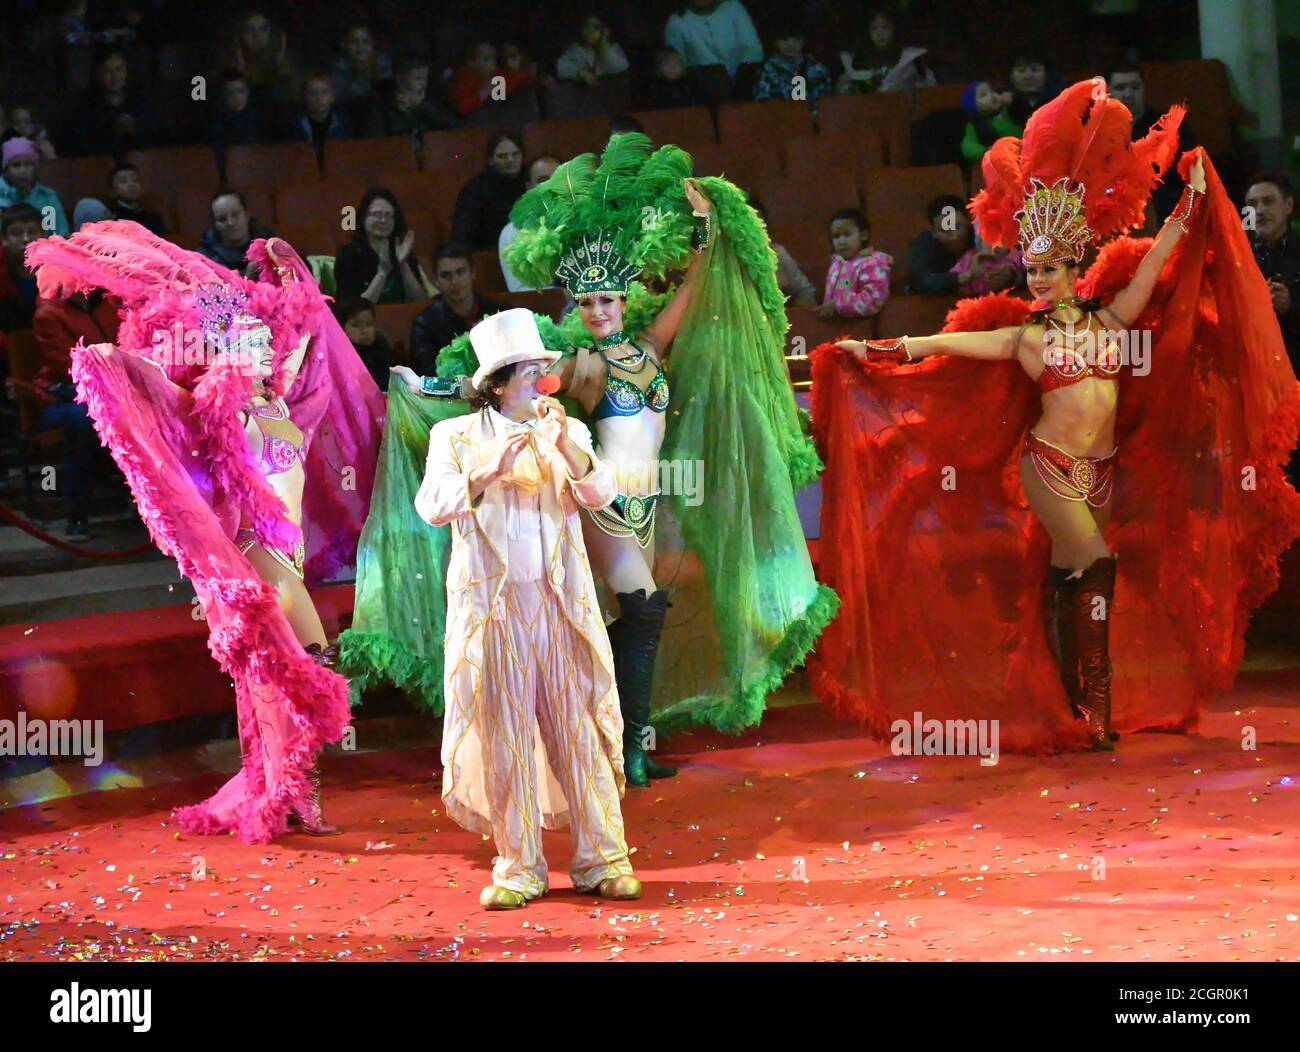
[1058, 626]
[1094, 595]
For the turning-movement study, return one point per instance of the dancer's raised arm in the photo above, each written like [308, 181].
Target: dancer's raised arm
[1132, 299]
[663, 329]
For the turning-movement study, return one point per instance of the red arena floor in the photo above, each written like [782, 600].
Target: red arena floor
[802, 840]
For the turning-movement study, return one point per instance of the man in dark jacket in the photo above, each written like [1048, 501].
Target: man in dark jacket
[1270, 205]
[1125, 83]
[457, 309]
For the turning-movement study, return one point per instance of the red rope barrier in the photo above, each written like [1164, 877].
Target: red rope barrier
[55, 542]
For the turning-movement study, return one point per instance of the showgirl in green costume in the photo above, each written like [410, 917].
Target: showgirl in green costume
[707, 471]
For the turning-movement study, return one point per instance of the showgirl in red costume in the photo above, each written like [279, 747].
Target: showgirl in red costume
[975, 512]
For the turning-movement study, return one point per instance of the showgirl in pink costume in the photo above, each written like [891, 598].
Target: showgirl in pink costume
[248, 430]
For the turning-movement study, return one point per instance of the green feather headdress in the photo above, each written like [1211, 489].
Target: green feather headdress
[628, 205]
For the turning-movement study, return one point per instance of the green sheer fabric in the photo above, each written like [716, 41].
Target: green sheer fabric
[400, 608]
[741, 574]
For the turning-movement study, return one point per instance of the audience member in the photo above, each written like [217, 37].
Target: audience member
[123, 201]
[880, 63]
[538, 172]
[357, 317]
[402, 106]
[319, 118]
[515, 60]
[379, 262]
[361, 68]
[226, 241]
[593, 55]
[484, 203]
[22, 123]
[261, 53]
[987, 119]
[480, 79]
[793, 283]
[58, 325]
[857, 283]
[669, 87]
[238, 121]
[19, 184]
[457, 309]
[714, 33]
[20, 225]
[1270, 201]
[1126, 84]
[934, 252]
[113, 118]
[788, 73]
[1031, 85]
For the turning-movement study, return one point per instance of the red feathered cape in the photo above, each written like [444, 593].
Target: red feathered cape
[939, 563]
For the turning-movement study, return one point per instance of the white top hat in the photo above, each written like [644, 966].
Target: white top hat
[505, 338]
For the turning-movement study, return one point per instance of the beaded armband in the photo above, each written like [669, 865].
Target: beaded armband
[435, 387]
[702, 236]
[1182, 215]
[891, 350]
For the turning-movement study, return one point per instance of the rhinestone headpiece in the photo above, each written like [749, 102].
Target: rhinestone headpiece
[224, 316]
[594, 266]
[1053, 225]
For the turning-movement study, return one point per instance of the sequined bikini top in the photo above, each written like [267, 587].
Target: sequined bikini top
[1064, 365]
[281, 438]
[623, 397]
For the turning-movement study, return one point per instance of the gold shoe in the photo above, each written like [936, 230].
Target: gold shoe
[624, 886]
[499, 898]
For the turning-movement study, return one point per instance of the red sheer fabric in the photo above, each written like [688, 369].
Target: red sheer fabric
[939, 563]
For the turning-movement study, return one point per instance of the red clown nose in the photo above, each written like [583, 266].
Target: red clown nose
[548, 384]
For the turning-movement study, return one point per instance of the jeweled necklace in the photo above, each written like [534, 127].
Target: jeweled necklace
[612, 340]
[630, 364]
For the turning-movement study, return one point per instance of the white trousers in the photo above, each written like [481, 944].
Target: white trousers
[532, 682]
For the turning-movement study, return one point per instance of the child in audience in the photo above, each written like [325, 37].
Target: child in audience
[126, 196]
[23, 123]
[790, 74]
[472, 84]
[357, 316]
[670, 88]
[123, 201]
[593, 55]
[19, 185]
[361, 66]
[857, 283]
[988, 118]
[238, 122]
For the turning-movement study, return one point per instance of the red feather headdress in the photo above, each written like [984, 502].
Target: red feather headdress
[1074, 176]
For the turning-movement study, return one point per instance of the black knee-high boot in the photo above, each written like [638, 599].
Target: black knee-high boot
[1092, 625]
[1058, 625]
[635, 642]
